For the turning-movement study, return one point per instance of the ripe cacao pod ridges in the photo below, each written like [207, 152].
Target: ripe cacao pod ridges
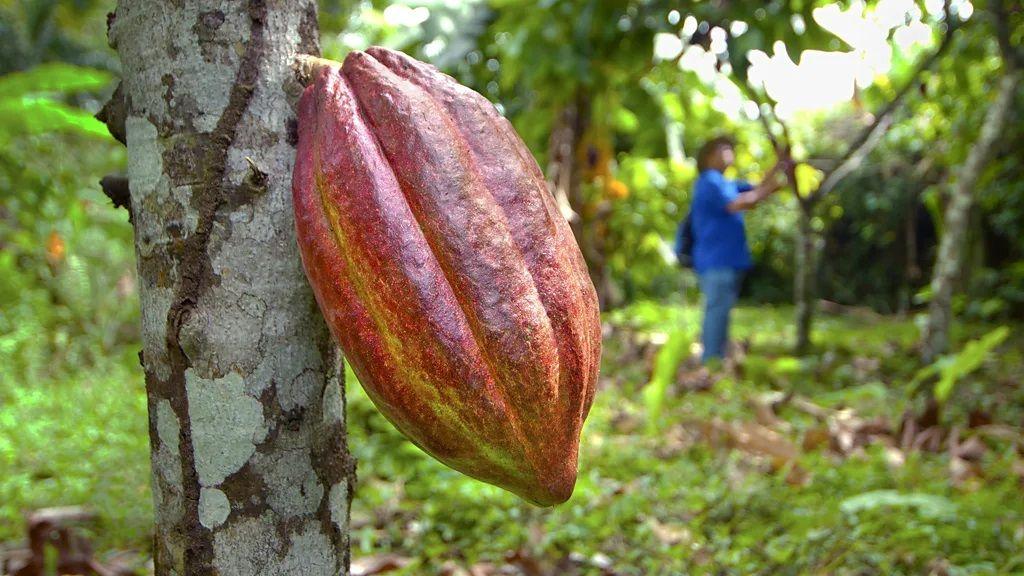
[445, 272]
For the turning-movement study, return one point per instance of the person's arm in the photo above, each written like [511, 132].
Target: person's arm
[766, 188]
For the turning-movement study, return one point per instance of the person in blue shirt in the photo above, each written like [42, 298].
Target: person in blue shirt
[720, 252]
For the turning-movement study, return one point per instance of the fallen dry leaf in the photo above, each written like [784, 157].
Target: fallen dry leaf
[864, 367]
[379, 564]
[752, 438]
[670, 534]
[972, 449]
[895, 457]
[484, 569]
[450, 568]
[694, 379]
[525, 563]
[815, 437]
[964, 474]
[675, 440]
[758, 439]
[808, 407]
[54, 539]
[797, 475]
[765, 406]
[1018, 469]
[850, 433]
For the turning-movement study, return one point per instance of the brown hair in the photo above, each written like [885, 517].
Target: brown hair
[710, 147]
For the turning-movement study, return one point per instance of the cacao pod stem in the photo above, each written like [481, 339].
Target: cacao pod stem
[307, 67]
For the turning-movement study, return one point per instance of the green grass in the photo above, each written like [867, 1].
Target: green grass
[662, 497]
[79, 440]
[674, 502]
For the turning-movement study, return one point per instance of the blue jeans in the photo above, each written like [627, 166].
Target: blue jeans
[721, 288]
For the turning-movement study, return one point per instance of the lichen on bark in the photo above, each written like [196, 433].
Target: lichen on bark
[250, 470]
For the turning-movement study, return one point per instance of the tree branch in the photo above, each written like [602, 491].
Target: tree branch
[756, 99]
[872, 134]
[1001, 22]
[857, 152]
[783, 148]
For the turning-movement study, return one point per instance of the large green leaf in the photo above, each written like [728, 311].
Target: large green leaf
[952, 369]
[38, 115]
[50, 78]
[926, 505]
[666, 364]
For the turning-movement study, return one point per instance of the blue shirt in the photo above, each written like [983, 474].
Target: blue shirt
[719, 237]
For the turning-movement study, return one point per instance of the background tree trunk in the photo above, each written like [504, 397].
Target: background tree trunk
[566, 174]
[951, 247]
[804, 285]
[911, 268]
[251, 473]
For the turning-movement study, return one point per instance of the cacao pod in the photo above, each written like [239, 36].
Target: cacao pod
[446, 272]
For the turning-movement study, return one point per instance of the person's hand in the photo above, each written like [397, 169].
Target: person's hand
[780, 173]
[785, 164]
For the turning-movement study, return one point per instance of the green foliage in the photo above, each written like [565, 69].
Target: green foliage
[951, 368]
[940, 128]
[641, 225]
[67, 256]
[666, 365]
[79, 439]
[674, 503]
[28, 107]
[72, 405]
[997, 283]
[652, 115]
[927, 505]
[879, 239]
[55, 77]
[38, 115]
[37, 31]
[650, 504]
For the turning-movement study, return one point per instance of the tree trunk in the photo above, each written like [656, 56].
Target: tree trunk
[911, 266]
[566, 174]
[804, 288]
[251, 474]
[950, 256]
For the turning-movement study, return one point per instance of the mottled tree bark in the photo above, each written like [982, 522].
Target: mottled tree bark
[251, 474]
[951, 247]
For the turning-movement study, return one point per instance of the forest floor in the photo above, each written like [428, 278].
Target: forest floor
[773, 464]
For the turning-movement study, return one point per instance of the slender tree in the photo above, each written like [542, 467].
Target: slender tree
[251, 474]
[950, 258]
[807, 243]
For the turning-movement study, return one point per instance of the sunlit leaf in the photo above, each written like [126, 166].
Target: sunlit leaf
[625, 121]
[953, 368]
[928, 505]
[39, 115]
[51, 78]
[808, 178]
[787, 365]
[664, 373]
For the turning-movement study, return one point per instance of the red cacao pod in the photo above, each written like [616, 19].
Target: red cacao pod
[445, 271]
